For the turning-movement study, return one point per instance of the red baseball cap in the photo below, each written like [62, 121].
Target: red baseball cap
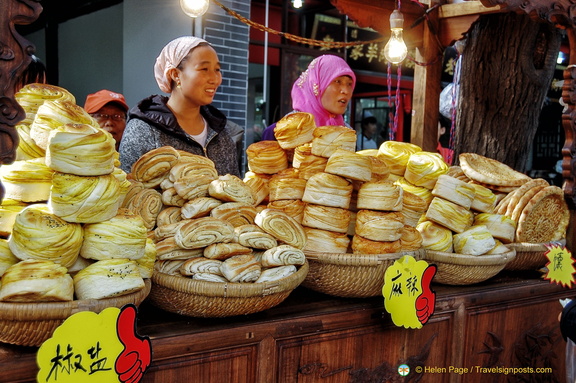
[97, 100]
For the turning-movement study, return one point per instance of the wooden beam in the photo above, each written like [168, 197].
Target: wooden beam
[455, 19]
[466, 8]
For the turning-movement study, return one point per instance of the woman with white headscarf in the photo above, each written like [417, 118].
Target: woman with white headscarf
[188, 70]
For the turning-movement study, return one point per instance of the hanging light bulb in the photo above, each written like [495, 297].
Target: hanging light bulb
[297, 3]
[194, 8]
[395, 50]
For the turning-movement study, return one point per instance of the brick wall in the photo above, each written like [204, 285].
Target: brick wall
[230, 38]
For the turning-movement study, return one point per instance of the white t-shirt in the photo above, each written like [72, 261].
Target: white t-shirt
[201, 138]
[364, 142]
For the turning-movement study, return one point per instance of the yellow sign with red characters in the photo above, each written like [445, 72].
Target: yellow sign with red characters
[95, 348]
[560, 265]
[407, 293]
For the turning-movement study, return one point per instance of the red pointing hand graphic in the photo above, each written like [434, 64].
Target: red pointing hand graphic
[135, 358]
[426, 301]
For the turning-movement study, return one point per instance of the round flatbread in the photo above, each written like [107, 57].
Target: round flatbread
[518, 202]
[502, 205]
[506, 202]
[530, 184]
[456, 172]
[489, 171]
[544, 218]
[500, 197]
[496, 188]
[500, 189]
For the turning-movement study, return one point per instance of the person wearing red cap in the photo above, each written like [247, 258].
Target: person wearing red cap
[109, 110]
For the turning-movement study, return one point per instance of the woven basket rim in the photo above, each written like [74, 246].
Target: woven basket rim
[527, 246]
[470, 260]
[34, 311]
[351, 259]
[230, 289]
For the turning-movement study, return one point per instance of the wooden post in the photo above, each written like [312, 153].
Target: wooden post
[426, 96]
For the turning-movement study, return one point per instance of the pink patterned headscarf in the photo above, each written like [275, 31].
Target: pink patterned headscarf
[308, 89]
[171, 56]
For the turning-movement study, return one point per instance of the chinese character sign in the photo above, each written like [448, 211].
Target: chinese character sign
[90, 347]
[407, 293]
[560, 265]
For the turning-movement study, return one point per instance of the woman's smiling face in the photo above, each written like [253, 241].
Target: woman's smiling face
[337, 95]
[200, 75]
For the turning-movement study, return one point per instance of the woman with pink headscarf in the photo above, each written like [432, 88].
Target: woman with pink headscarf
[324, 89]
[188, 70]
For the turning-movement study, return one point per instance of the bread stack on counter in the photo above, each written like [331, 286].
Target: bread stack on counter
[482, 205]
[31, 98]
[207, 227]
[401, 199]
[346, 201]
[538, 209]
[71, 218]
[65, 236]
[450, 224]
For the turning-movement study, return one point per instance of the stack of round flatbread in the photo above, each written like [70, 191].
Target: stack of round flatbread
[539, 210]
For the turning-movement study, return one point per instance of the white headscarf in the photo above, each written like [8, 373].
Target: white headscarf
[171, 56]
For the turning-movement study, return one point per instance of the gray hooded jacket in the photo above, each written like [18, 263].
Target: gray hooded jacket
[151, 125]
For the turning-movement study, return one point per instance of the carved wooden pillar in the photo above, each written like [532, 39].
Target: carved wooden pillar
[15, 52]
[569, 123]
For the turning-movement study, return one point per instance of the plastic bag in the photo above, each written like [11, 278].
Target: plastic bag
[446, 101]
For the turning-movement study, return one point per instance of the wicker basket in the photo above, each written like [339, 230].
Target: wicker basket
[186, 296]
[463, 269]
[350, 275]
[30, 324]
[529, 256]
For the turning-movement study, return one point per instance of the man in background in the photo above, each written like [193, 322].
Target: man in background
[367, 134]
[109, 110]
